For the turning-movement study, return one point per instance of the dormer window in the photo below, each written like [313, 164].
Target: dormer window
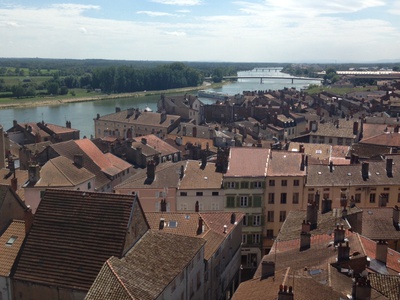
[11, 240]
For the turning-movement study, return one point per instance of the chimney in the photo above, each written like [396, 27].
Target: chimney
[285, 293]
[381, 251]
[305, 227]
[305, 241]
[129, 112]
[326, 205]
[194, 132]
[233, 218]
[162, 224]
[355, 128]
[163, 205]
[203, 159]
[28, 218]
[151, 169]
[301, 148]
[389, 167]
[331, 166]
[343, 252]
[316, 198]
[196, 206]
[302, 163]
[267, 269]
[144, 141]
[34, 173]
[396, 216]
[182, 172]
[361, 289]
[15, 123]
[312, 215]
[2, 149]
[163, 116]
[338, 235]
[14, 184]
[78, 160]
[364, 170]
[117, 109]
[343, 202]
[200, 227]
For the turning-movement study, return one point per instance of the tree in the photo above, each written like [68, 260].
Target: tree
[52, 88]
[63, 90]
[396, 68]
[18, 91]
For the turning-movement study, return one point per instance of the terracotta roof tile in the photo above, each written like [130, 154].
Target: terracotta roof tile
[159, 144]
[198, 177]
[248, 162]
[285, 164]
[9, 248]
[72, 235]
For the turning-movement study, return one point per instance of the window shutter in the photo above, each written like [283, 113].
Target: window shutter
[237, 201]
[252, 185]
[262, 220]
[263, 184]
[225, 185]
[249, 239]
[250, 201]
[236, 185]
[257, 201]
[250, 220]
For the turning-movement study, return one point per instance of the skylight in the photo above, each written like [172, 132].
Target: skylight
[11, 240]
[172, 224]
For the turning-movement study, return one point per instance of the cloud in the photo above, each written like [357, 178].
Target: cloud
[395, 8]
[83, 30]
[176, 33]
[156, 13]
[183, 11]
[179, 2]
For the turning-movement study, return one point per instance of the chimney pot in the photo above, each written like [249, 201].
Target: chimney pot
[381, 251]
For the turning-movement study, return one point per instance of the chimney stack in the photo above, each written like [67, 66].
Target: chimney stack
[200, 227]
[2, 149]
[326, 205]
[233, 218]
[389, 167]
[305, 241]
[267, 269]
[196, 206]
[151, 169]
[343, 252]
[312, 215]
[339, 235]
[34, 173]
[305, 227]
[365, 170]
[14, 184]
[194, 131]
[331, 166]
[355, 128]
[28, 218]
[361, 289]
[381, 251]
[396, 216]
[285, 293]
[163, 116]
[302, 163]
[162, 224]
[182, 172]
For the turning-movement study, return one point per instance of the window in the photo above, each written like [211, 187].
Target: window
[215, 206]
[340, 141]
[244, 238]
[215, 193]
[199, 193]
[270, 233]
[296, 182]
[256, 238]
[244, 185]
[230, 185]
[325, 196]
[270, 216]
[183, 206]
[357, 198]
[245, 219]
[257, 184]
[310, 197]
[296, 197]
[271, 182]
[183, 193]
[257, 220]
[230, 201]
[89, 185]
[283, 198]
[282, 216]
[244, 201]
[257, 201]
[284, 182]
[372, 198]
[271, 198]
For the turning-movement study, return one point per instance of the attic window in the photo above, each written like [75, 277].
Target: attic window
[172, 224]
[11, 240]
[318, 151]
[349, 174]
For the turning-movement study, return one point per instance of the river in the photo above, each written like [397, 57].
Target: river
[81, 114]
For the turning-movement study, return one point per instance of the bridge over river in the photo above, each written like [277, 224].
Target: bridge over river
[292, 78]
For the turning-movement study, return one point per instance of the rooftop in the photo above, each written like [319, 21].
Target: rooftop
[248, 162]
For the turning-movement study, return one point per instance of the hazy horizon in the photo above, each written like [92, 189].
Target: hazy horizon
[338, 31]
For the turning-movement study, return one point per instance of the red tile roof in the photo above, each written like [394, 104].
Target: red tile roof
[72, 235]
[8, 250]
[248, 162]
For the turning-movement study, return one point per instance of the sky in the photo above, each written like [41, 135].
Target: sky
[329, 31]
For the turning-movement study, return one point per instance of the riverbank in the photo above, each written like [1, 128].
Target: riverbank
[48, 101]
